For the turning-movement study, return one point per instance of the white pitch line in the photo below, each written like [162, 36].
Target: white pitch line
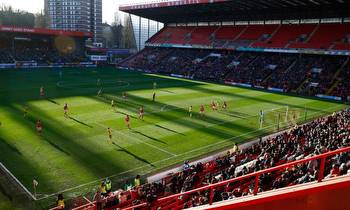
[140, 141]
[156, 162]
[159, 161]
[59, 84]
[17, 181]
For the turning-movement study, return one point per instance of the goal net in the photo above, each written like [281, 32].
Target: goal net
[281, 117]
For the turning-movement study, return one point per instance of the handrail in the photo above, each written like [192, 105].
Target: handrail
[256, 175]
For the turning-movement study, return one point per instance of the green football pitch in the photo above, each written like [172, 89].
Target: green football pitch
[73, 152]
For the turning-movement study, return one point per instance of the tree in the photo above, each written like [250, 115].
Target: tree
[128, 34]
[117, 31]
[107, 35]
[41, 20]
[11, 17]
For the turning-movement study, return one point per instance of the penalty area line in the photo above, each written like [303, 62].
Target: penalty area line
[145, 166]
[178, 155]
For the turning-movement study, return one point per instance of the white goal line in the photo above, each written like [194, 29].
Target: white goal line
[138, 168]
[2, 166]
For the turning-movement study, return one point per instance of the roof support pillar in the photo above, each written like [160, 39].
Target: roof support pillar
[139, 33]
[148, 29]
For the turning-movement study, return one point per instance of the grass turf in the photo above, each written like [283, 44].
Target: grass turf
[74, 151]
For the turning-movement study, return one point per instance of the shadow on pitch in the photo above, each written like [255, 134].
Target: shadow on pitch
[12, 148]
[236, 114]
[52, 101]
[147, 136]
[80, 122]
[123, 113]
[168, 129]
[58, 147]
[168, 91]
[256, 99]
[181, 113]
[65, 142]
[121, 149]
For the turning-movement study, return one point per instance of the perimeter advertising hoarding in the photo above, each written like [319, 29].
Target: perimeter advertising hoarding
[251, 49]
[42, 31]
[167, 4]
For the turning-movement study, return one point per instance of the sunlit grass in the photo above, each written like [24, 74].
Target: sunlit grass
[73, 151]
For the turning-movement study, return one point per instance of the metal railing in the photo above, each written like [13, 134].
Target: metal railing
[211, 187]
[255, 175]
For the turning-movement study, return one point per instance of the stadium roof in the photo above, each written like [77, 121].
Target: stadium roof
[186, 11]
[41, 31]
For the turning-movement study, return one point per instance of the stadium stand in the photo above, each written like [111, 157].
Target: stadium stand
[342, 86]
[309, 59]
[325, 36]
[288, 34]
[306, 141]
[305, 74]
[41, 46]
[5, 56]
[310, 36]
[202, 35]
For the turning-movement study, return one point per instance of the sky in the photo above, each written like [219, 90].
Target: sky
[34, 6]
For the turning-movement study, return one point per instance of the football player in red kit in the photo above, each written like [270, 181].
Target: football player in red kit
[127, 121]
[201, 110]
[39, 127]
[65, 109]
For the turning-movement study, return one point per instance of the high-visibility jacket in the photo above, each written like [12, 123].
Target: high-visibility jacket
[103, 189]
[60, 204]
[137, 182]
[108, 186]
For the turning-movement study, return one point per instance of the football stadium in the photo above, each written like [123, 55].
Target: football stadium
[233, 104]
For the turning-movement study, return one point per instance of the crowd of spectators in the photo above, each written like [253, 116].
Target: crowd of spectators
[5, 56]
[319, 136]
[39, 55]
[259, 69]
[343, 86]
[321, 76]
[304, 74]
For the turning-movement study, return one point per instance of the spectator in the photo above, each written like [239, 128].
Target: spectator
[60, 202]
[127, 186]
[122, 197]
[334, 171]
[99, 200]
[108, 185]
[137, 181]
[103, 189]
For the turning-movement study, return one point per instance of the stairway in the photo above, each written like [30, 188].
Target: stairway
[274, 33]
[213, 35]
[335, 79]
[306, 80]
[216, 30]
[240, 33]
[286, 71]
[187, 42]
[129, 58]
[312, 33]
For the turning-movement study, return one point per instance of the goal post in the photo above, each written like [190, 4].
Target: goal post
[281, 117]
